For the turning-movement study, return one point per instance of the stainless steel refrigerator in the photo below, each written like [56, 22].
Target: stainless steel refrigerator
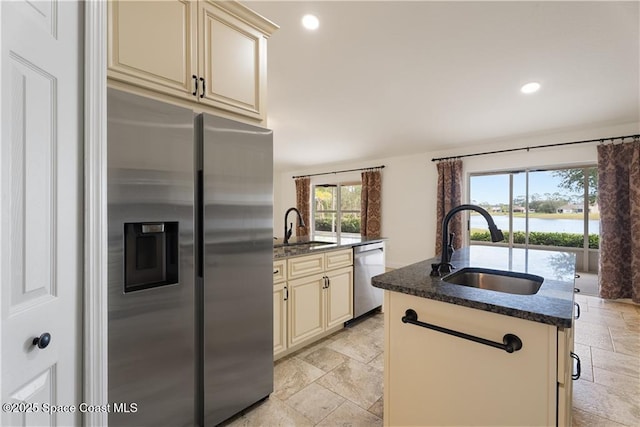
[190, 219]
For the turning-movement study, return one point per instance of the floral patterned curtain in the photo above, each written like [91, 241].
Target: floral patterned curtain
[449, 196]
[619, 203]
[303, 196]
[370, 208]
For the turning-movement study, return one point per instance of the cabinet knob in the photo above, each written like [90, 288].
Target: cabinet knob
[43, 340]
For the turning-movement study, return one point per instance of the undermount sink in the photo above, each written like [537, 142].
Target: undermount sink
[496, 280]
[313, 245]
[310, 244]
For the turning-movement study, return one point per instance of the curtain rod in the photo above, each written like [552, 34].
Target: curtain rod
[348, 170]
[636, 136]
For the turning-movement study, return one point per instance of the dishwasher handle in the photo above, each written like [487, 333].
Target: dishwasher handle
[358, 250]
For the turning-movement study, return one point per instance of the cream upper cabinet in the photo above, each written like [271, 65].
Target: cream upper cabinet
[152, 44]
[212, 53]
[233, 65]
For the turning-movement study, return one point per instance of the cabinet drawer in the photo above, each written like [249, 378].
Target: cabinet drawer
[305, 266]
[337, 259]
[279, 270]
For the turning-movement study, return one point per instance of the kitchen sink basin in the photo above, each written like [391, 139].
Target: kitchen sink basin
[310, 244]
[496, 280]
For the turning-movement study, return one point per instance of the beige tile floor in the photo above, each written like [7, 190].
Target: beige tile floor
[338, 381]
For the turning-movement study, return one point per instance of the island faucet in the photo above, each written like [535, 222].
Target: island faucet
[287, 233]
[447, 247]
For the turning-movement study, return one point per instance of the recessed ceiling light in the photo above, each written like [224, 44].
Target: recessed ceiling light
[530, 87]
[310, 22]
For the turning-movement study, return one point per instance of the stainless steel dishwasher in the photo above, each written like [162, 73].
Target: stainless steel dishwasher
[368, 261]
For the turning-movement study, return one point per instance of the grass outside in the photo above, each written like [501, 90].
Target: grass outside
[558, 239]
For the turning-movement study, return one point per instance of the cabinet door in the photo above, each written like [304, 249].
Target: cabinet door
[339, 295]
[565, 371]
[279, 318]
[432, 378]
[151, 44]
[232, 61]
[306, 308]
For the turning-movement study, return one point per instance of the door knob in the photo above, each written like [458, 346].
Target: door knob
[43, 340]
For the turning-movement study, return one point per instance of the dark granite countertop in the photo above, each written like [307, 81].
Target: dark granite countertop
[304, 246]
[552, 304]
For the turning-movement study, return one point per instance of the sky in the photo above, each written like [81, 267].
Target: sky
[494, 189]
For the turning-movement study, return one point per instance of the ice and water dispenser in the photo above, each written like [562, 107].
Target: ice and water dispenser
[150, 255]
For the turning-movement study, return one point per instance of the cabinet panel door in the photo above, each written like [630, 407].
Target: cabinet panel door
[432, 378]
[306, 308]
[339, 296]
[232, 62]
[152, 45]
[279, 318]
[565, 371]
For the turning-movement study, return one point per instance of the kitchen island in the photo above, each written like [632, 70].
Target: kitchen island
[433, 377]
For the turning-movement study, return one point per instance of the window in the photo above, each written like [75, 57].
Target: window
[336, 210]
[553, 208]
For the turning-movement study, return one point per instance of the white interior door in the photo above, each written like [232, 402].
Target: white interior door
[41, 211]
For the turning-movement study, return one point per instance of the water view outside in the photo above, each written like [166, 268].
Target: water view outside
[537, 224]
[550, 202]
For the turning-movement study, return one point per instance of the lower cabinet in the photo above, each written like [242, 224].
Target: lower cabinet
[306, 308]
[565, 375]
[318, 303]
[312, 296]
[279, 318]
[339, 296]
[433, 378]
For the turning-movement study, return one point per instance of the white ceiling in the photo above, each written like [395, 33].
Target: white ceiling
[389, 78]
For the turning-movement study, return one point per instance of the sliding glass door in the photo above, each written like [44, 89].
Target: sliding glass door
[552, 209]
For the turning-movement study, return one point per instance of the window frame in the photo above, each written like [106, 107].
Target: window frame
[339, 212]
[585, 250]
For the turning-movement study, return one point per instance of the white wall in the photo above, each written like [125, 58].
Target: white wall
[409, 183]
